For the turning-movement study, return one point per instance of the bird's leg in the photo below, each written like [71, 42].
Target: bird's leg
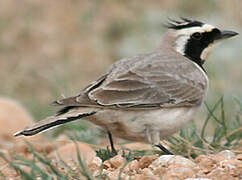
[153, 137]
[164, 149]
[113, 150]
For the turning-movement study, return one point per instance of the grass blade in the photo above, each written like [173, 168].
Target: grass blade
[47, 162]
[208, 117]
[83, 168]
[17, 168]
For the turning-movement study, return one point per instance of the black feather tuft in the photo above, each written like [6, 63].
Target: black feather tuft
[182, 23]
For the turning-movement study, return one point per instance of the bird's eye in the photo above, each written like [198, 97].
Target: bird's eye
[197, 36]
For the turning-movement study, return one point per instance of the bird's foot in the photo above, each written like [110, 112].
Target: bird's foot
[112, 152]
[166, 151]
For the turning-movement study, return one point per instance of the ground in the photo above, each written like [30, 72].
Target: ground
[223, 165]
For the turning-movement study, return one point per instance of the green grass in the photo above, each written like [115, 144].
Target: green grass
[227, 133]
[189, 142]
[42, 167]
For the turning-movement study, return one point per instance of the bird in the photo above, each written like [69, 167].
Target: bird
[146, 97]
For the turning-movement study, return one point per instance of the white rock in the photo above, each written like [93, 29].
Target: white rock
[162, 160]
[227, 154]
[166, 160]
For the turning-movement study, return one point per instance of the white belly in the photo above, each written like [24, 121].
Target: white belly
[133, 125]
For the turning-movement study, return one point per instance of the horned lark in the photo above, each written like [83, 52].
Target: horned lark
[146, 97]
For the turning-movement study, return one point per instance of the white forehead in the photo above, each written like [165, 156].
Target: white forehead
[190, 30]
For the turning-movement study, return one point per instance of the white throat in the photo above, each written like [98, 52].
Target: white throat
[206, 52]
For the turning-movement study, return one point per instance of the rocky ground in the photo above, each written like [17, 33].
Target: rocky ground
[225, 165]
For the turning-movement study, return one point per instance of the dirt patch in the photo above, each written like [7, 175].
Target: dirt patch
[223, 165]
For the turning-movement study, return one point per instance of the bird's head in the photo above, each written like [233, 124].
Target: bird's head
[195, 39]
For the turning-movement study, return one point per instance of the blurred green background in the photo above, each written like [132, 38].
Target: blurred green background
[54, 48]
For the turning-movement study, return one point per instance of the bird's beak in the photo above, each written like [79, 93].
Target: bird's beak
[226, 34]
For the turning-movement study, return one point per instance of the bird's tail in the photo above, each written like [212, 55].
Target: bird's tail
[66, 115]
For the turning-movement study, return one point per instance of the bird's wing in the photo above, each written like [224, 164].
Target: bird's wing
[151, 80]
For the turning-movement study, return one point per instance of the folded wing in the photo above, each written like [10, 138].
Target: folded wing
[146, 81]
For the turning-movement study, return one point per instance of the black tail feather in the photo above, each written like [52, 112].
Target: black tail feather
[33, 131]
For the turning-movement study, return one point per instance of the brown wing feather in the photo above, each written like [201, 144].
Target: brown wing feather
[156, 81]
[150, 80]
